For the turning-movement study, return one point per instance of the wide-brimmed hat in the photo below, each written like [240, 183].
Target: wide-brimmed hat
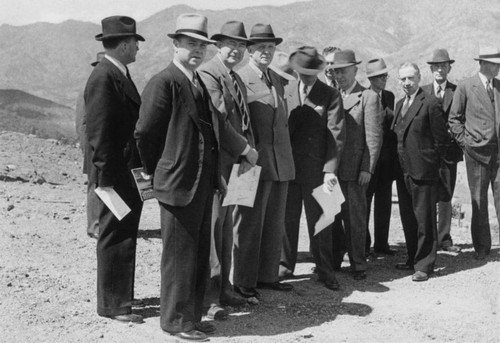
[280, 64]
[98, 58]
[263, 33]
[192, 25]
[118, 26]
[489, 54]
[306, 60]
[440, 56]
[343, 59]
[376, 67]
[232, 29]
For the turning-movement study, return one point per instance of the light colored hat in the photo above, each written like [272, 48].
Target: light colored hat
[376, 67]
[306, 60]
[282, 67]
[192, 25]
[440, 56]
[343, 59]
[489, 54]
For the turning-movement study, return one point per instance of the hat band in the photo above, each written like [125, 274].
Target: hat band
[263, 35]
[497, 55]
[201, 33]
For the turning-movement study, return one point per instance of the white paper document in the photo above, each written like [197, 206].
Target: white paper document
[241, 190]
[114, 202]
[330, 204]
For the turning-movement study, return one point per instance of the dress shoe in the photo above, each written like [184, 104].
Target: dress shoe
[420, 276]
[403, 266]
[215, 312]
[452, 248]
[285, 273]
[193, 336]
[275, 286]
[246, 292]
[481, 256]
[127, 318]
[231, 299]
[332, 284]
[205, 327]
[359, 275]
[137, 303]
[387, 251]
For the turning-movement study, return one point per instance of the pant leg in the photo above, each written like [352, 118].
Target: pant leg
[338, 241]
[444, 209]
[495, 185]
[93, 209]
[408, 219]
[382, 214]
[292, 226]
[214, 278]
[370, 193]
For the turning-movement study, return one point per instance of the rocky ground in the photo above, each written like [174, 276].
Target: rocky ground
[48, 271]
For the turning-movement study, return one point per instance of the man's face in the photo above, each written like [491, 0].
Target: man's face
[440, 71]
[190, 52]
[378, 82]
[409, 79]
[262, 53]
[130, 48]
[329, 62]
[231, 51]
[345, 77]
[308, 80]
[490, 69]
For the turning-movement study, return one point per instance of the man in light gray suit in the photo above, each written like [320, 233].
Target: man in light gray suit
[474, 118]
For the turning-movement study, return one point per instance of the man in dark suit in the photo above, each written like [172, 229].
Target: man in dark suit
[474, 118]
[112, 107]
[380, 186]
[327, 77]
[316, 126]
[443, 90]
[259, 230]
[178, 135]
[422, 140]
[229, 96]
[363, 125]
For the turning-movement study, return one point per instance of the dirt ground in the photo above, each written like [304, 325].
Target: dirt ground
[48, 273]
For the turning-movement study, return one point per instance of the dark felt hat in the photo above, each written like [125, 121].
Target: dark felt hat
[232, 29]
[343, 59]
[281, 65]
[117, 27]
[98, 58]
[306, 60]
[263, 33]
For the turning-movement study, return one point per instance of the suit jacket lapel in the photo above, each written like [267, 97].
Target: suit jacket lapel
[228, 81]
[125, 84]
[293, 96]
[354, 97]
[186, 92]
[447, 98]
[413, 110]
[315, 96]
[478, 88]
[399, 105]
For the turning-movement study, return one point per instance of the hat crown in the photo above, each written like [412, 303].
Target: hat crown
[344, 56]
[281, 65]
[262, 31]
[307, 57]
[233, 29]
[375, 67]
[489, 51]
[118, 26]
[440, 56]
[192, 23]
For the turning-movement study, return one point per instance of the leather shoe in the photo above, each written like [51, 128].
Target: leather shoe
[193, 336]
[275, 286]
[246, 292]
[452, 248]
[332, 284]
[387, 251]
[232, 300]
[359, 275]
[127, 318]
[420, 276]
[137, 303]
[215, 312]
[403, 266]
[480, 256]
[205, 327]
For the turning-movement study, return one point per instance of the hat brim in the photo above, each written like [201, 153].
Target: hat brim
[220, 36]
[192, 35]
[449, 61]
[491, 60]
[93, 64]
[100, 37]
[378, 73]
[281, 73]
[306, 71]
[343, 65]
[256, 40]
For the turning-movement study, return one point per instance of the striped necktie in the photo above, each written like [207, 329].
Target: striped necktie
[406, 106]
[489, 89]
[245, 118]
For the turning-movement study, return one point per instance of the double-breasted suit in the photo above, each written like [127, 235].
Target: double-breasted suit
[178, 135]
[259, 230]
[317, 136]
[474, 122]
[422, 141]
[112, 108]
[363, 124]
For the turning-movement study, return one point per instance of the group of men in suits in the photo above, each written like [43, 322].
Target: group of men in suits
[193, 122]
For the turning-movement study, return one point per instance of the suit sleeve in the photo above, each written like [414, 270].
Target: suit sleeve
[373, 119]
[335, 133]
[102, 107]
[154, 118]
[456, 119]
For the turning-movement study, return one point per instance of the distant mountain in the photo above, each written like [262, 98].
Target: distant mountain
[27, 113]
[53, 60]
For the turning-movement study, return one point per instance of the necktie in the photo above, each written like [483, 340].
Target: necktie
[489, 89]
[267, 80]
[304, 94]
[245, 118]
[406, 106]
[195, 81]
[343, 93]
[439, 92]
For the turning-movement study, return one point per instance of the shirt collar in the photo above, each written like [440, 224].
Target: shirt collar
[118, 64]
[436, 85]
[189, 74]
[256, 69]
[412, 97]
[483, 79]
[301, 87]
[349, 90]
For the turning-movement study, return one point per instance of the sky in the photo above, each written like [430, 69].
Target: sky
[23, 12]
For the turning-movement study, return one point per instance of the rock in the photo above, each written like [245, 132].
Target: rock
[38, 179]
[10, 207]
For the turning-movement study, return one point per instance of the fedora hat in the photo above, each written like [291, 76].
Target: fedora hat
[440, 56]
[118, 26]
[98, 58]
[376, 67]
[307, 61]
[232, 29]
[263, 33]
[343, 59]
[489, 54]
[192, 25]
[282, 67]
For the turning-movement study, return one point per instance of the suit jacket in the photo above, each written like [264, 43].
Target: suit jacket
[454, 152]
[363, 124]
[473, 117]
[322, 78]
[422, 137]
[316, 132]
[169, 136]
[223, 94]
[270, 125]
[112, 107]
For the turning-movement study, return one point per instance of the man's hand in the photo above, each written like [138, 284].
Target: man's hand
[329, 181]
[364, 178]
[252, 156]
[244, 166]
[146, 177]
